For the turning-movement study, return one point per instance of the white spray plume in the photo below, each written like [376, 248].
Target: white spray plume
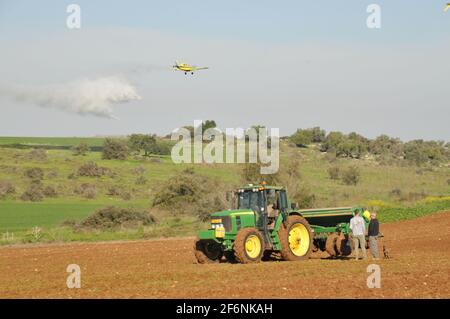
[94, 97]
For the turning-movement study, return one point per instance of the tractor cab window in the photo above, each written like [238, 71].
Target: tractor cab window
[283, 201]
[276, 199]
[250, 200]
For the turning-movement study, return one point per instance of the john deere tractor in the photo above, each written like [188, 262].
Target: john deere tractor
[263, 221]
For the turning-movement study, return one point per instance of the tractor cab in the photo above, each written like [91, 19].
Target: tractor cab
[267, 202]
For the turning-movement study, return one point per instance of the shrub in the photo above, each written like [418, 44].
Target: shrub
[69, 223]
[118, 191]
[303, 197]
[34, 192]
[189, 193]
[114, 191]
[156, 159]
[125, 195]
[139, 170]
[334, 172]
[91, 169]
[52, 174]
[35, 173]
[141, 180]
[80, 149]
[72, 176]
[396, 192]
[110, 218]
[34, 235]
[50, 191]
[86, 190]
[115, 149]
[351, 176]
[331, 157]
[251, 173]
[37, 154]
[413, 196]
[90, 193]
[6, 188]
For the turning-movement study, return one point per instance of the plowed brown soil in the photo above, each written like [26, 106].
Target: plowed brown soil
[419, 268]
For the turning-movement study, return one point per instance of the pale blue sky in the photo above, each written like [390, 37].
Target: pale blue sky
[284, 64]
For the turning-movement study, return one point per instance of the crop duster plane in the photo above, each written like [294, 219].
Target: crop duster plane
[187, 68]
[447, 6]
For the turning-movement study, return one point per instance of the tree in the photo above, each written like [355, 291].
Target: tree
[257, 129]
[207, 125]
[80, 149]
[421, 152]
[317, 134]
[142, 142]
[191, 129]
[115, 149]
[332, 141]
[304, 137]
[301, 138]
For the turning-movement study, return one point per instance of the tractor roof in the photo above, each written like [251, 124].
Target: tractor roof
[261, 186]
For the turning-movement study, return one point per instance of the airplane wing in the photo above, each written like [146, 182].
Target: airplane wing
[447, 7]
[202, 68]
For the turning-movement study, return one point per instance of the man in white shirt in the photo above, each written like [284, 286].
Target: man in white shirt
[358, 228]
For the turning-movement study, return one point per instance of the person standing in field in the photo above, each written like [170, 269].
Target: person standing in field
[358, 229]
[373, 232]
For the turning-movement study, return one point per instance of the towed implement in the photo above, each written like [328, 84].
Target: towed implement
[263, 221]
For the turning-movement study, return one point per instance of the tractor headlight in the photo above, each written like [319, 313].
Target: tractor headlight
[217, 223]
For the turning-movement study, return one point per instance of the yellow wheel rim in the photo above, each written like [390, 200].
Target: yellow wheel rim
[299, 239]
[253, 246]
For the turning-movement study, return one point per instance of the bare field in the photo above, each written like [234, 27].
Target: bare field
[419, 268]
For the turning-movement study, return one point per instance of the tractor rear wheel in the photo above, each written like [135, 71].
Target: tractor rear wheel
[344, 245]
[330, 245]
[207, 251]
[295, 239]
[248, 246]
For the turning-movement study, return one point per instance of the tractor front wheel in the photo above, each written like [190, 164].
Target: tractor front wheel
[229, 255]
[295, 239]
[207, 251]
[248, 246]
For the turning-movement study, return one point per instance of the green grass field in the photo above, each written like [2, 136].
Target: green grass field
[380, 187]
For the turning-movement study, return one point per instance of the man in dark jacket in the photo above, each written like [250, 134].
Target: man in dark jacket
[373, 232]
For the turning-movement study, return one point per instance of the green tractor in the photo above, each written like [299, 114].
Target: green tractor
[262, 221]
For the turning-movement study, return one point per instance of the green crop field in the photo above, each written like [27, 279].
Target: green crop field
[51, 141]
[20, 216]
[394, 190]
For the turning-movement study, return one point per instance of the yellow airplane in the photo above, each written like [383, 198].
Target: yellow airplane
[187, 68]
[447, 7]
